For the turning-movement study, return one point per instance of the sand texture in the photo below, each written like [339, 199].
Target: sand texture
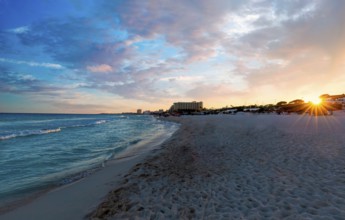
[239, 167]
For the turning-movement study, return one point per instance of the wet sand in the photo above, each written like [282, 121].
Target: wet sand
[76, 200]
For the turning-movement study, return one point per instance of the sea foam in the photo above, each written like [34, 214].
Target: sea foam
[41, 150]
[29, 133]
[26, 133]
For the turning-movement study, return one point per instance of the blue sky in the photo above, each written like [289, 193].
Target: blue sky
[84, 56]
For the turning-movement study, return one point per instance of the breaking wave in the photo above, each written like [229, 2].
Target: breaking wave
[29, 133]
[26, 133]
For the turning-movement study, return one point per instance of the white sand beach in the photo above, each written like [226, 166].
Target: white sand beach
[239, 167]
[217, 167]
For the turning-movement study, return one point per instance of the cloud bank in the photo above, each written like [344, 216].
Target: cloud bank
[234, 52]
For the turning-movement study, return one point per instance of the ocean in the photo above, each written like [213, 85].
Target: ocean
[39, 151]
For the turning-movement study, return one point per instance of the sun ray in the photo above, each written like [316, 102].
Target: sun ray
[316, 101]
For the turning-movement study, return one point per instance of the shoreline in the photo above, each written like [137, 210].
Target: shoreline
[214, 167]
[238, 167]
[50, 203]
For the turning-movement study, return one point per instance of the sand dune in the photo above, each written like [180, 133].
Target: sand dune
[239, 167]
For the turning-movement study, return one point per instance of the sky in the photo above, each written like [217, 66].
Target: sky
[95, 56]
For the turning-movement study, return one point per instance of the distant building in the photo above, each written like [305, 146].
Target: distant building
[139, 111]
[187, 106]
[251, 109]
[229, 111]
[147, 112]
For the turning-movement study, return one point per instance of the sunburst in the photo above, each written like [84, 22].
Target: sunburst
[316, 101]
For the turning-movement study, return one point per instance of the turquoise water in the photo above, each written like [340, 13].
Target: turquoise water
[42, 150]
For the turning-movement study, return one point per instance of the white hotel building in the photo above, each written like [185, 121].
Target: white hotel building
[187, 106]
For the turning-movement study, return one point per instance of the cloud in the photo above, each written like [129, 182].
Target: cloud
[19, 83]
[183, 78]
[297, 47]
[195, 36]
[301, 26]
[30, 63]
[144, 47]
[20, 30]
[194, 27]
[78, 42]
[103, 68]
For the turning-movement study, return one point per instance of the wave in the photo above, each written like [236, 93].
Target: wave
[100, 122]
[45, 120]
[46, 131]
[29, 133]
[86, 125]
[135, 141]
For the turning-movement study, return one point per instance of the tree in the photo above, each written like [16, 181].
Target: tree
[324, 96]
[281, 103]
[297, 101]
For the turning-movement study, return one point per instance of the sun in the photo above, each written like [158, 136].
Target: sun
[316, 101]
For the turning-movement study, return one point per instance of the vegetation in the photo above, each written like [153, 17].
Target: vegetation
[298, 106]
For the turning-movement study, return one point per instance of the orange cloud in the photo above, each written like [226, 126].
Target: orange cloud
[103, 68]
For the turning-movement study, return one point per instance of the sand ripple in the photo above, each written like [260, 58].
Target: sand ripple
[239, 167]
